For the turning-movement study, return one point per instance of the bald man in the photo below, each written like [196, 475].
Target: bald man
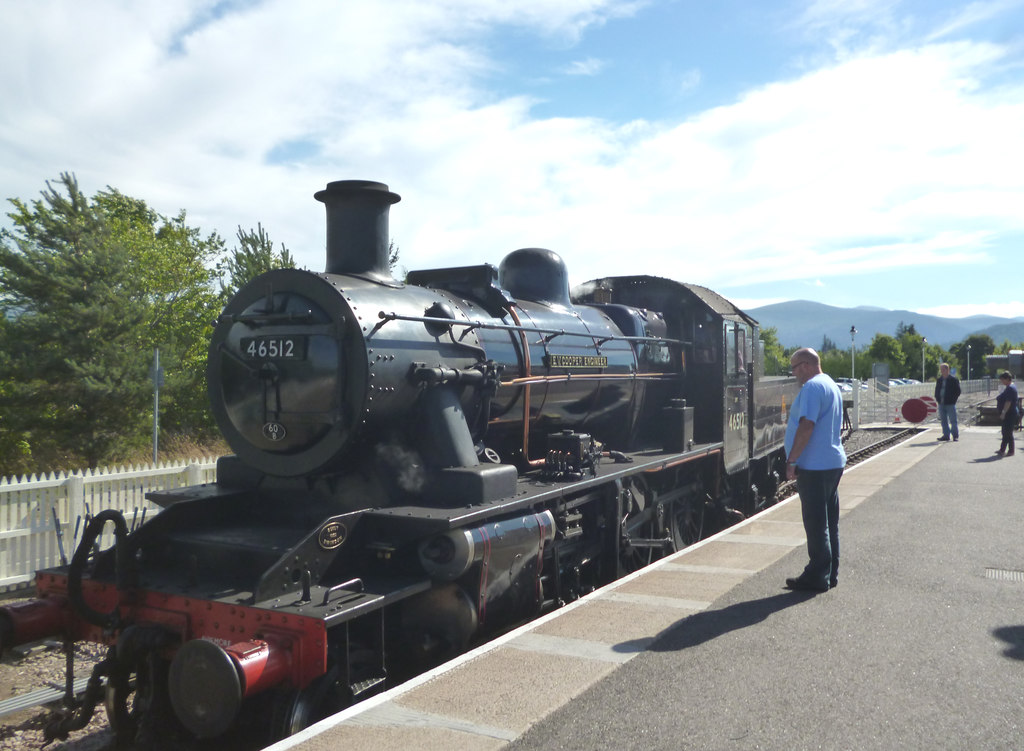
[815, 459]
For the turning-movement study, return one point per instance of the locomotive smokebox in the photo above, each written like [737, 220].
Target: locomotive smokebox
[357, 228]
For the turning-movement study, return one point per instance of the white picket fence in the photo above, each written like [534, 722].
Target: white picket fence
[31, 508]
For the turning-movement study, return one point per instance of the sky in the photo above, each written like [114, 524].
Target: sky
[849, 152]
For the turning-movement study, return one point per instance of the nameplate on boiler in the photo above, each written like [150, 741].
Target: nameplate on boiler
[575, 361]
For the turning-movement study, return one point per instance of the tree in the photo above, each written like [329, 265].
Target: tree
[903, 329]
[775, 360]
[887, 349]
[174, 276]
[836, 363]
[87, 290]
[253, 256]
[914, 352]
[980, 345]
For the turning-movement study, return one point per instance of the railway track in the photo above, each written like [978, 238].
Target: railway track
[39, 698]
[860, 447]
[34, 704]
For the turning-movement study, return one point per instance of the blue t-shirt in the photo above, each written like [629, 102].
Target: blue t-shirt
[821, 402]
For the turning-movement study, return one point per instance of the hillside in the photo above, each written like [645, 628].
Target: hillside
[804, 323]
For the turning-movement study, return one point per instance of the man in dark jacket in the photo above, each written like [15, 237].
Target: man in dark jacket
[947, 391]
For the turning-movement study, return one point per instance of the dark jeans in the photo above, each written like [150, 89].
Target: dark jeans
[1008, 424]
[819, 501]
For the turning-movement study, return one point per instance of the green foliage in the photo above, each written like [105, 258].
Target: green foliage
[903, 329]
[914, 353]
[253, 256]
[980, 345]
[776, 361]
[885, 348]
[87, 290]
[1006, 346]
[398, 272]
[836, 363]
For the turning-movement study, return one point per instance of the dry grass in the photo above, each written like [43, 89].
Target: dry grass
[180, 447]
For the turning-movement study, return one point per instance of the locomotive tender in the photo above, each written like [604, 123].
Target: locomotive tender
[418, 465]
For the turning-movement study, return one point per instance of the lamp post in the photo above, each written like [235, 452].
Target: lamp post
[923, 343]
[968, 362]
[853, 350]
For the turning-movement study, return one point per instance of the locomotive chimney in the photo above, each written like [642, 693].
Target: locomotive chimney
[357, 228]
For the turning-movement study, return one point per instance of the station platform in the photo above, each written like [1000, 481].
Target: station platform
[919, 646]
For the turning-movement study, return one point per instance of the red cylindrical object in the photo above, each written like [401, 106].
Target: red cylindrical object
[261, 665]
[33, 620]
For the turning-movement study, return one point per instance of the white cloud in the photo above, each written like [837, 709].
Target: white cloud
[1013, 309]
[589, 67]
[883, 160]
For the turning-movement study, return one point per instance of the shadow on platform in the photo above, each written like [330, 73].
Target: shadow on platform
[1014, 638]
[710, 624]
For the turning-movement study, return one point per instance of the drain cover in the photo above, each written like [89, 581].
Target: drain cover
[1006, 575]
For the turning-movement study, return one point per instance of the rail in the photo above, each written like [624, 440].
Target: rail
[42, 517]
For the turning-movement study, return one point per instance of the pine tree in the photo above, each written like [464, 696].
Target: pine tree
[253, 256]
[87, 289]
[72, 328]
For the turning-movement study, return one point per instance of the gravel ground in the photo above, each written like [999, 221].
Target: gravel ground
[25, 670]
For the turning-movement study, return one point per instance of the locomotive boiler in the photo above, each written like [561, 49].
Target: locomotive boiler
[417, 465]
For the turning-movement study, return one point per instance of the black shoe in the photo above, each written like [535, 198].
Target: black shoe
[956, 438]
[833, 584]
[944, 438]
[801, 584]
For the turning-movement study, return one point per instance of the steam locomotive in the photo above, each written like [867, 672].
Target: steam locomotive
[417, 465]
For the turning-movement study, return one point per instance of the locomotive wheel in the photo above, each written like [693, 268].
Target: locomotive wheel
[640, 528]
[686, 522]
[297, 710]
[633, 553]
[122, 714]
[128, 700]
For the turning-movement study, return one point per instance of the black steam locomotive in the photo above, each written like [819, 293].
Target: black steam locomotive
[417, 465]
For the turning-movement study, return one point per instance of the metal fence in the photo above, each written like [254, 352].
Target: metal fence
[882, 405]
[33, 509]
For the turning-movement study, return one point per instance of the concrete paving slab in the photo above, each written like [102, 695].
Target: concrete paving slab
[691, 583]
[616, 618]
[421, 736]
[507, 688]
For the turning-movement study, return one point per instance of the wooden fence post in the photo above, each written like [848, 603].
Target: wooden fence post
[76, 504]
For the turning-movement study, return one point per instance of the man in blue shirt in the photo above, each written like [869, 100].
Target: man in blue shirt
[815, 458]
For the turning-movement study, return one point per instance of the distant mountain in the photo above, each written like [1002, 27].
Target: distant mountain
[804, 323]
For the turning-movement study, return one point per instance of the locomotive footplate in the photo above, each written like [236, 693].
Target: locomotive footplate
[533, 491]
[348, 600]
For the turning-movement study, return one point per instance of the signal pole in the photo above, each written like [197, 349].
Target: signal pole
[853, 350]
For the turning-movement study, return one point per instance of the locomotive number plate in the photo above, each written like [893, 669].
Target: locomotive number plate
[274, 347]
